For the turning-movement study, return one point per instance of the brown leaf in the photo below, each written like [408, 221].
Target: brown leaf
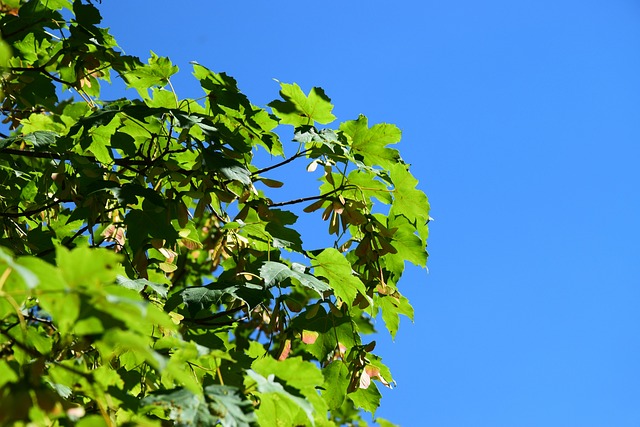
[314, 206]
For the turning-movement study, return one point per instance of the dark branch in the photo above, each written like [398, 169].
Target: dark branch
[32, 154]
[64, 156]
[5, 36]
[306, 199]
[217, 315]
[41, 70]
[33, 211]
[277, 165]
[224, 323]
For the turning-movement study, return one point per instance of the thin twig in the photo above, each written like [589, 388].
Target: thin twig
[305, 199]
[277, 165]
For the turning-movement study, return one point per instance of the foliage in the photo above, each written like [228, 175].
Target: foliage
[148, 277]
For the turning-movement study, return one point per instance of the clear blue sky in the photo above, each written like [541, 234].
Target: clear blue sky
[522, 122]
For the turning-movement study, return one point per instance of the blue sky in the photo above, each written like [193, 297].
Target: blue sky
[520, 119]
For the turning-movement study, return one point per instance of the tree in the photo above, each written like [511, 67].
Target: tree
[148, 273]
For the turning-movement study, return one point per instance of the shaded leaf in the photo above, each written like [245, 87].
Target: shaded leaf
[231, 408]
[275, 272]
[140, 284]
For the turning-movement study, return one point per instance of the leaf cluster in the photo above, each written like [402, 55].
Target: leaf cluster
[148, 277]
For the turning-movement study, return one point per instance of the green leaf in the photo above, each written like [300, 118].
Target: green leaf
[299, 109]
[37, 139]
[148, 222]
[371, 143]
[275, 272]
[87, 267]
[195, 299]
[330, 334]
[39, 341]
[116, 341]
[392, 307]
[86, 13]
[182, 407]
[139, 284]
[336, 383]
[333, 266]
[200, 298]
[41, 138]
[55, 296]
[408, 245]
[277, 411]
[39, 92]
[92, 421]
[30, 279]
[268, 385]
[156, 73]
[367, 399]
[251, 293]
[294, 371]
[229, 168]
[283, 236]
[385, 423]
[222, 89]
[308, 135]
[369, 185]
[5, 54]
[232, 409]
[407, 199]
[100, 141]
[7, 373]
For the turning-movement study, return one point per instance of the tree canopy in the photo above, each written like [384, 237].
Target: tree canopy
[151, 271]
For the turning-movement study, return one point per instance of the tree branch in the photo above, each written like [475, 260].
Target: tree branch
[41, 70]
[64, 156]
[33, 211]
[306, 199]
[277, 165]
[216, 315]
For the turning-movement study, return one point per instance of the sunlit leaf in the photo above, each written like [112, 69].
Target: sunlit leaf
[333, 266]
[269, 385]
[299, 109]
[371, 143]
